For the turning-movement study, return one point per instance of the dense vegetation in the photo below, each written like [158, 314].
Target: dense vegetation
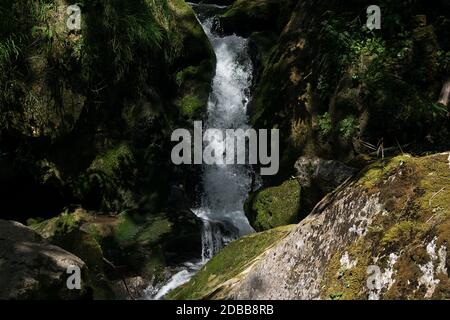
[86, 114]
[86, 117]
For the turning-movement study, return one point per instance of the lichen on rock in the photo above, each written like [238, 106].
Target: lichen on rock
[382, 235]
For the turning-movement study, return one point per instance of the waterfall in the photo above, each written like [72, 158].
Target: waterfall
[225, 187]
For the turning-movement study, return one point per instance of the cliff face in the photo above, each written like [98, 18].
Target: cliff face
[382, 235]
[336, 89]
[86, 115]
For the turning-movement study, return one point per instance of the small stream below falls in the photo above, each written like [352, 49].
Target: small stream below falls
[225, 187]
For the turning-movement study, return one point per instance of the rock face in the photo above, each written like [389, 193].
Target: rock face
[382, 235]
[34, 269]
[326, 174]
[327, 85]
[317, 177]
[92, 110]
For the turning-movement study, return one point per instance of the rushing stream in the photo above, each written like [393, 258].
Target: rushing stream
[225, 187]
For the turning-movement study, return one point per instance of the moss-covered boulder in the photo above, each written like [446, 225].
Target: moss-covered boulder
[216, 278]
[65, 232]
[275, 206]
[382, 235]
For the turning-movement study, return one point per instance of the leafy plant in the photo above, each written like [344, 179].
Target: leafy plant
[348, 127]
[324, 124]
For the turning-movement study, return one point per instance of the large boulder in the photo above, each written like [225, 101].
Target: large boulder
[326, 174]
[382, 235]
[275, 206]
[31, 268]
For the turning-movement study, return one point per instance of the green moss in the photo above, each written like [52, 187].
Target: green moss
[415, 197]
[62, 224]
[34, 221]
[401, 233]
[152, 231]
[228, 264]
[347, 282]
[194, 84]
[275, 206]
[111, 161]
[190, 105]
[372, 174]
[186, 74]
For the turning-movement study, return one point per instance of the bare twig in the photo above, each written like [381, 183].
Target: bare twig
[399, 146]
[434, 195]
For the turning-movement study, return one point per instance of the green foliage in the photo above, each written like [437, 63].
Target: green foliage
[391, 69]
[324, 124]
[9, 51]
[443, 59]
[126, 229]
[113, 160]
[348, 127]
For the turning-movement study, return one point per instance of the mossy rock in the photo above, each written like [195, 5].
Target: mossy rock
[65, 232]
[194, 84]
[387, 227]
[60, 225]
[108, 182]
[274, 206]
[225, 268]
[195, 65]
[411, 233]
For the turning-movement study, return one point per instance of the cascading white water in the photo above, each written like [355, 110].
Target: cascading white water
[225, 187]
